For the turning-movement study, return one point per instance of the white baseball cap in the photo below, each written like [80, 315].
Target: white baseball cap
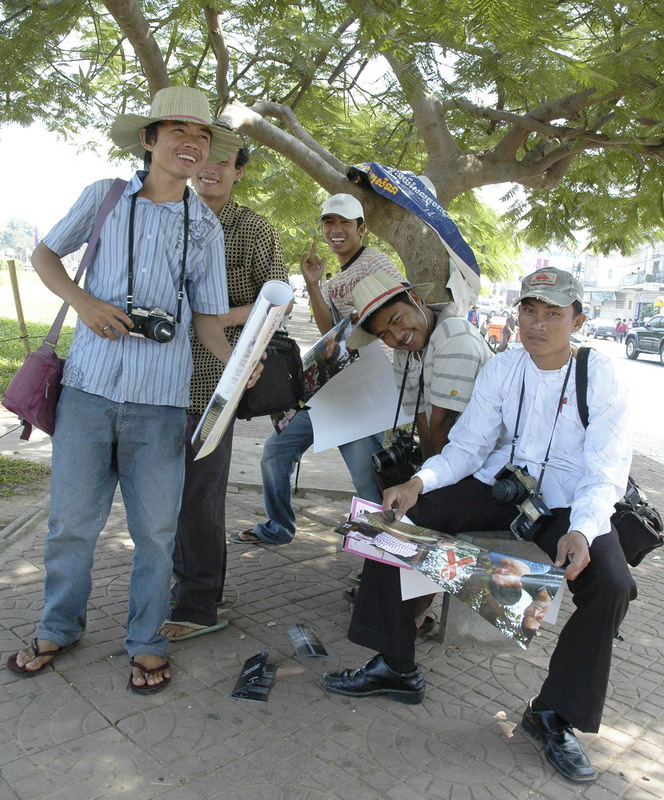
[343, 205]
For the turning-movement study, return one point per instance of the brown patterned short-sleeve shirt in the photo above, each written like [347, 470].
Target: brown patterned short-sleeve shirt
[253, 256]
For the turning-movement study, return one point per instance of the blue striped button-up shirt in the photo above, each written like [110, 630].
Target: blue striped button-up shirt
[134, 369]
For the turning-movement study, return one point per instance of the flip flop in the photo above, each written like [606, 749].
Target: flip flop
[197, 630]
[147, 688]
[13, 666]
[235, 537]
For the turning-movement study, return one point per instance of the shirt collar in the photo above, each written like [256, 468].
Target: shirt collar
[195, 205]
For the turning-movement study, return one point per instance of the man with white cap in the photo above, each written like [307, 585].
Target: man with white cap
[159, 266]
[523, 412]
[342, 223]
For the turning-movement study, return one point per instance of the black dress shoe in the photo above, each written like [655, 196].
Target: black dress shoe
[561, 747]
[375, 677]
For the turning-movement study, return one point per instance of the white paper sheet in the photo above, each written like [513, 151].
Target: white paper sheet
[357, 402]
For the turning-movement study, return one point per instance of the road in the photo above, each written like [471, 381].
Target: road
[645, 379]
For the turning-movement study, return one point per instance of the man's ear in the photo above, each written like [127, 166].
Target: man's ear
[362, 229]
[579, 319]
[239, 172]
[144, 142]
[415, 297]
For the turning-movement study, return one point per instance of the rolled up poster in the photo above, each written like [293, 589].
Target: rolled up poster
[263, 321]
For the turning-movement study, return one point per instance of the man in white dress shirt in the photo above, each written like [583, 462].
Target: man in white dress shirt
[523, 411]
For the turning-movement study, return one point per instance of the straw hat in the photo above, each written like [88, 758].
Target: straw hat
[175, 103]
[373, 292]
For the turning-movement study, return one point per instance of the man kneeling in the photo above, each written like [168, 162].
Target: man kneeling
[523, 411]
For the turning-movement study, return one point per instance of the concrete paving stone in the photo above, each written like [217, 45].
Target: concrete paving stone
[6, 792]
[442, 745]
[184, 793]
[641, 793]
[353, 790]
[613, 781]
[76, 770]
[51, 714]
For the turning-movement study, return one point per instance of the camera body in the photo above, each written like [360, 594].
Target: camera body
[514, 485]
[152, 323]
[403, 450]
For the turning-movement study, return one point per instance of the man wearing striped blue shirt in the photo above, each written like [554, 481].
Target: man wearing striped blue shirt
[121, 414]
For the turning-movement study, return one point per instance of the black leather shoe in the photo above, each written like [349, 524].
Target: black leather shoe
[375, 677]
[561, 747]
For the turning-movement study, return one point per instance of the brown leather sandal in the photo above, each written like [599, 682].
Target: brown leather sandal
[147, 688]
[12, 664]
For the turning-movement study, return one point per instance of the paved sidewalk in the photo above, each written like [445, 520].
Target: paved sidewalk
[75, 732]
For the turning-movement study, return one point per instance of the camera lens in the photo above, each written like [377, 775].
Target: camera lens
[383, 459]
[160, 330]
[506, 491]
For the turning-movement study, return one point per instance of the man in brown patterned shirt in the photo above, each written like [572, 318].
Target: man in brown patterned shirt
[253, 256]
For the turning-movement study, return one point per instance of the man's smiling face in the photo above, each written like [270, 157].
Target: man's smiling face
[401, 325]
[343, 236]
[181, 148]
[216, 179]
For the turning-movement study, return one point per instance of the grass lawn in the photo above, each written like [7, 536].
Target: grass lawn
[40, 307]
[16, 472]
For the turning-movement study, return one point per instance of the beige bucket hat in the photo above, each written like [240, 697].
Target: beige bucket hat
[175, 103]
[373, 292]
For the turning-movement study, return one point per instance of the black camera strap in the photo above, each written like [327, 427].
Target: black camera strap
[420, 392]
[558, 410]
[130, 257]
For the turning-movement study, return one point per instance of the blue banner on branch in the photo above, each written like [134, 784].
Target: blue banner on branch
[408, 191]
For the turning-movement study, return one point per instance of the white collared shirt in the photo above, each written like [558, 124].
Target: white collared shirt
[587, 469]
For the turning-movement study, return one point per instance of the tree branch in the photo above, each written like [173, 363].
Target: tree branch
[427, 110]
[134, 26]
[303, 151]
[218, 44]
[284, 114]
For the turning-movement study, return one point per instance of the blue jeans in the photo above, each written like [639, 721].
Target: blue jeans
[96, 444]
[282, 451]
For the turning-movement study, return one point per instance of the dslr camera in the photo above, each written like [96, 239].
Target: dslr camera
[514, 485]
[403, 450]
[152, 323]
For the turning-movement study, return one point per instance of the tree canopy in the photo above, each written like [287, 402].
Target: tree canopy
[564, 100]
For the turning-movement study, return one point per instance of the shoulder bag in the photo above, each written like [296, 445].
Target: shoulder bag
[639, 524]
[281, 384]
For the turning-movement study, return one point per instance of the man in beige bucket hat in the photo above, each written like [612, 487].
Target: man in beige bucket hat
[433, 348]
[159, 266]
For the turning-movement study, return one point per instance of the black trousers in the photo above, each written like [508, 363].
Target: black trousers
[579, 667]
[199, 555]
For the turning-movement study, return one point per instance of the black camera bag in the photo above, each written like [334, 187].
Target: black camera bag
[281, 384]
[639, 524]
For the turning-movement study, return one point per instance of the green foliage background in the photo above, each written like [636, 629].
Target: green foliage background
[359, 75]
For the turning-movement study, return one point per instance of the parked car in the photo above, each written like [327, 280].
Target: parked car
[601, 329]
[647, 338]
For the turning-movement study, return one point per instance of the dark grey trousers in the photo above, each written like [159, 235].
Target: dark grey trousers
[579, 667]
[199, 556]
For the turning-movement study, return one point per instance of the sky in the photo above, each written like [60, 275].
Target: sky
[43, 175]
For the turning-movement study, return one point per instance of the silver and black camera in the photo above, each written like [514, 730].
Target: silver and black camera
[152, 323]
[403, 450]
[514, 485]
